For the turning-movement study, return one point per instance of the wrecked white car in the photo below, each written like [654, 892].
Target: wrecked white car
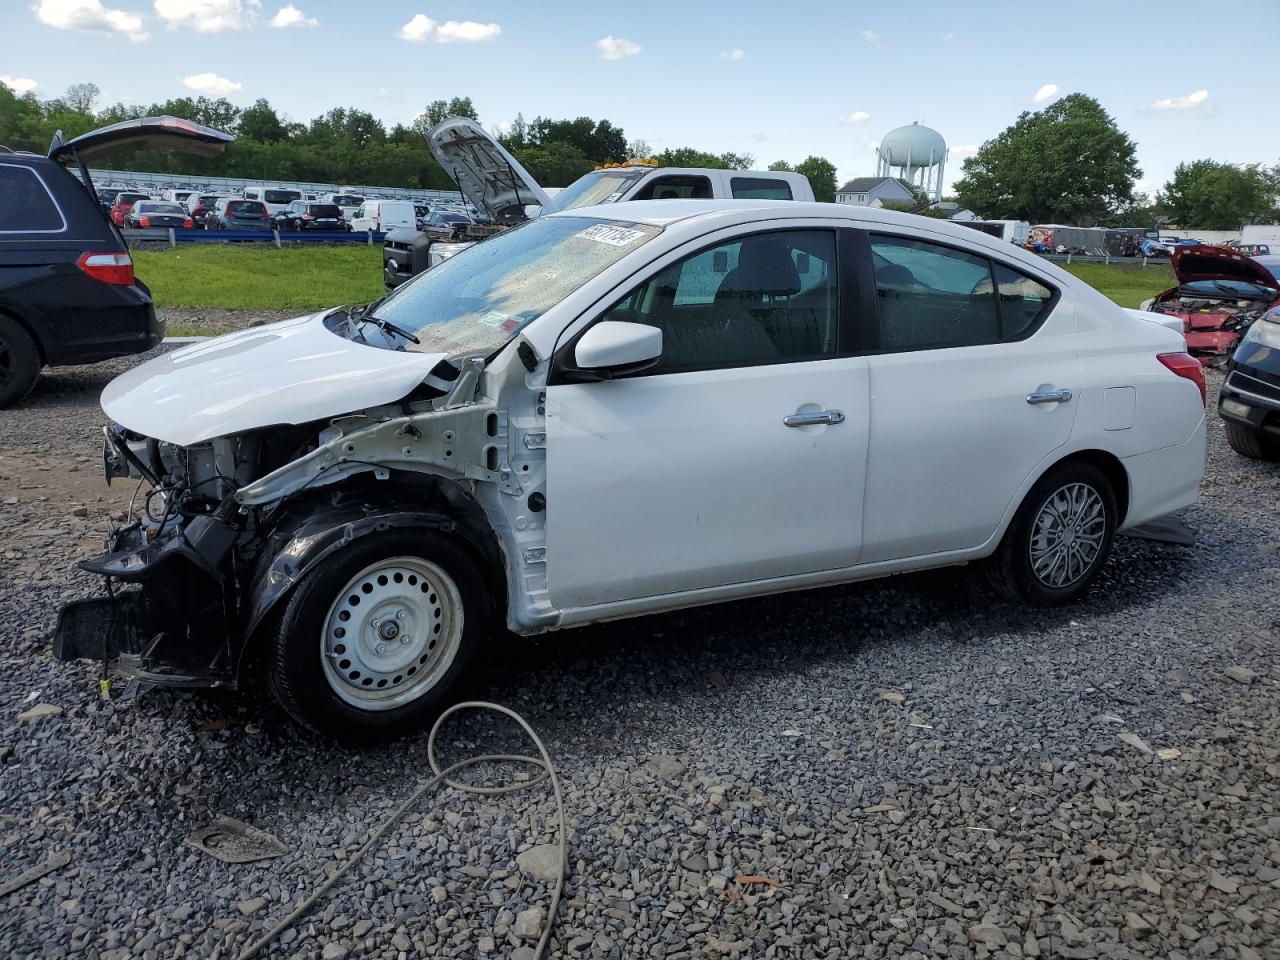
[616, 411]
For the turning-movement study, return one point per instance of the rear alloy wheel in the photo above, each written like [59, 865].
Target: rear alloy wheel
[376, 638]
[1059, 539]
[1249, 443]
[19, 362]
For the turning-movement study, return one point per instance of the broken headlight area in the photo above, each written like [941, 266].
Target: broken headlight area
[172, 569]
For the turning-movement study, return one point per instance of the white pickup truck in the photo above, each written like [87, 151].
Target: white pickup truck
[497, 185]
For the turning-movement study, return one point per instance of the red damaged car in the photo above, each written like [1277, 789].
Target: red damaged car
[1220, 292]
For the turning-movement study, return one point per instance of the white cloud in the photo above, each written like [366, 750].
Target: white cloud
[19, 85]
[735, 54]
[422, 28]
[948, 38]
[291, 16]
[88, 15]
[208, 16]
[1189, 102]
[1046, 93]
[962, 150]
[210, 83]
[616, 48]
[858, 116]
[871, 37]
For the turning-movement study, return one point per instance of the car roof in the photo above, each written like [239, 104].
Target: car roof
[699, 216]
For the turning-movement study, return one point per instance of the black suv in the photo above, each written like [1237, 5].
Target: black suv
[67, 289]
[310, 215]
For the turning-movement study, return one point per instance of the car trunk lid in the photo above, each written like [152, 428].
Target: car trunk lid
[144, 133]
[486, 173]
[1218, 263]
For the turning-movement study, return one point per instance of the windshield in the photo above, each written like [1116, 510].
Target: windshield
[347, 200]
[477, 301]
[1216, 288]
[593, 188]
[323, 210]
[246, 208]
[281, 196]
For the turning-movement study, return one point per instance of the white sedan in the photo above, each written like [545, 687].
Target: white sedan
[620, 410]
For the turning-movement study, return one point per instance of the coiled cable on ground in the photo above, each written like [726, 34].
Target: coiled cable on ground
[546, 771]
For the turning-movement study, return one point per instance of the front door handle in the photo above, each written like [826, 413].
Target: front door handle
[1049, 396]
[810, 419]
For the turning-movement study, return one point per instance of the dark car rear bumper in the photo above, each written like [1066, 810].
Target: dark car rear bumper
[116, 321]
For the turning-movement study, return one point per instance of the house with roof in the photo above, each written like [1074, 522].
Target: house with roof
[865, 191]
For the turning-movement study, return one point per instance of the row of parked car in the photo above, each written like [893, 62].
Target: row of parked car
[260, 208]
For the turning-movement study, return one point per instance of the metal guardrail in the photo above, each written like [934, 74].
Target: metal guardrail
[174, 236]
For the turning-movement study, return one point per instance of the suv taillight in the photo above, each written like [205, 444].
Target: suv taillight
[114, 268]
[1185, 365]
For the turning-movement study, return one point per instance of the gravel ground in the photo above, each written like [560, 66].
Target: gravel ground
[915, 770]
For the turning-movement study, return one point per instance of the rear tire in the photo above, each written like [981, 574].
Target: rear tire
[19, 362]
[1249, 444]
[376, 639]
[1059, 539]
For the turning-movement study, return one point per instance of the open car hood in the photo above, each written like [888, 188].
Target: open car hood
[1218, 263]
[486, 173]
[290, 372]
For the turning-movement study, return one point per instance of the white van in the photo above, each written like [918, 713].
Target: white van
[276, 199]
[382, 215]
[177, 196]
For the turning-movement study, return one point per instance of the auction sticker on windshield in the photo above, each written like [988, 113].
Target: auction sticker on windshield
[614, 236]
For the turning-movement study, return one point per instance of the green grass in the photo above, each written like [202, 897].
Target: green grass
[308, 278]
[1127, 285]
[244, 278]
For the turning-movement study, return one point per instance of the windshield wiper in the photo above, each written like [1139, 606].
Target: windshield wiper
[366, 316]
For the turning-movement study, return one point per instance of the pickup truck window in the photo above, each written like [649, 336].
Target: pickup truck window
[760, 188]
[675, 188]
[600, 187]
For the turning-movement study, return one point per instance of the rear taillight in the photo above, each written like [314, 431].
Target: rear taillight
[114, 268]
[144, 221]
[1185, 365]
[187, 224]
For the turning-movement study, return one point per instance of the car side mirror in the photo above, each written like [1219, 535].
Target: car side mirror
[614, 348]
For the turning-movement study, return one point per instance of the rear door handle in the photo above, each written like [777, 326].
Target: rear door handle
[810, 419]
[1049, 396]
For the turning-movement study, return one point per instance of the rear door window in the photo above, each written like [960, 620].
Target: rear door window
[675, 187]
[760, 188]
[282, 196]
[324, 211]
[26, 205]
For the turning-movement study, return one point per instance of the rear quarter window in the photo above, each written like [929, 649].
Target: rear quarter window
[760, 188]
[26, 205]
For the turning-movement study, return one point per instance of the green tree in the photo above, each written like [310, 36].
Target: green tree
[438, 110]
[597, 140]
[781, 166]
[554, 164]
[691, 157]
[1067, 163]
[81, 97]
[261, 122]
[1220, 196]
[821, 174]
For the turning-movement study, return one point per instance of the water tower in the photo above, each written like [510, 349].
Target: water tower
[916, 155]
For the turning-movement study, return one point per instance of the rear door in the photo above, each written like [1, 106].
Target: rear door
[975, 383]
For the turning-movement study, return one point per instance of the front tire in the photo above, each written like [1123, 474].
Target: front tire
[1249, 444]
[375, 639]
[1059, 539]
[19, 362]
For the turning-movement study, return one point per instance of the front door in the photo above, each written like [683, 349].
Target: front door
[741, 456]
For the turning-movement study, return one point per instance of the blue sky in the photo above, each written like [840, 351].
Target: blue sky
[776, 80]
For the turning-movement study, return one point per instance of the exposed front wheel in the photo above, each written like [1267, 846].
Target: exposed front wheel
[1059, 539]
[375, 639]
[19, 362]
[1249, 443]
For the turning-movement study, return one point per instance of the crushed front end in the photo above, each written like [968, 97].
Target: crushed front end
[171, 570]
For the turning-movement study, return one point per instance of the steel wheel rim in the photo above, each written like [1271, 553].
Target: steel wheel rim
[392, 633]
[1067, 535]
